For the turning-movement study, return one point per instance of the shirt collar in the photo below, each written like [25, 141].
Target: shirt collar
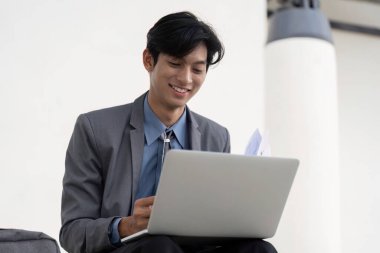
[153, 127]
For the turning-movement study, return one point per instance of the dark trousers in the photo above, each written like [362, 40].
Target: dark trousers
[164, 244]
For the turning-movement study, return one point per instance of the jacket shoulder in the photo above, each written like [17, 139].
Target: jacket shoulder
[215, 137]
[206, 123]
[108, 121]
[109, 114]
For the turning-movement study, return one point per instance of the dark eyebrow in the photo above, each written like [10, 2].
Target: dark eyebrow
[173, 58]
[200, 62]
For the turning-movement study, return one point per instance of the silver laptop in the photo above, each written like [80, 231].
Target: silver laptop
[219, 195]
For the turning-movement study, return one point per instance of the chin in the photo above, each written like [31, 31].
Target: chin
[177, 105]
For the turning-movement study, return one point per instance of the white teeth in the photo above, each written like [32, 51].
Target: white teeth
[179, 89]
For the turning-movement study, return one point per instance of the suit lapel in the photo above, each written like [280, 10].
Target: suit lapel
[137, 142]
[195, 134]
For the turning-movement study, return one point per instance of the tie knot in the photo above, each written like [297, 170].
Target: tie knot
[167, 135]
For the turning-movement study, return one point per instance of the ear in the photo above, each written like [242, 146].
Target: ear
[148, 60]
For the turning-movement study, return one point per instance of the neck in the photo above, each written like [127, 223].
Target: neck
[168, 116]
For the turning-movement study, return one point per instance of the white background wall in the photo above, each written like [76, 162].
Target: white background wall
[358, 60]
[62, 58]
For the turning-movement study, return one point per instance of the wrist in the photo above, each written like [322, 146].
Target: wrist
[125, 227]
[113, 232]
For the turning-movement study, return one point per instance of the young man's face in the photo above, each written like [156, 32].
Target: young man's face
[174, 81]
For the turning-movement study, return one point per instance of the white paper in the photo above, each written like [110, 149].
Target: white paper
[264, 148]
[258, 144]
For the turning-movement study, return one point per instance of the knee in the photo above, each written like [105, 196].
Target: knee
[264, 247]
[157, 240]
[253, 246]
[159, 243]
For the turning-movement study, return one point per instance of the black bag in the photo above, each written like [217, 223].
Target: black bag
[23, 241]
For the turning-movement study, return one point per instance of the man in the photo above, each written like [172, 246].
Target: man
[114, 158]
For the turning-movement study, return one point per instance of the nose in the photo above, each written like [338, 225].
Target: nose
[185, 76]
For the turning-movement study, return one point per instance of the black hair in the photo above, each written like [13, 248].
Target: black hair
[177, 34]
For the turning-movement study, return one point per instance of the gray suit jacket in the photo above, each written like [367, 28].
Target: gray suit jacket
[103, 163]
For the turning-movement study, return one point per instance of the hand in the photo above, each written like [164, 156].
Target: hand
[139, 219]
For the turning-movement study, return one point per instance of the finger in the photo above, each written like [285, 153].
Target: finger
[142, 211]
[148, 201]
[142, 224]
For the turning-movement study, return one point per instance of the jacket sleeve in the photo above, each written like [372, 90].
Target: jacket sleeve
[83, 229]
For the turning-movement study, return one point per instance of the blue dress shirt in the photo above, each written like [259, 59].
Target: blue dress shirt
[153, 146]
[151, 165]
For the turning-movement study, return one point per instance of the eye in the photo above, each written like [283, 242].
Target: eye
[198, 71]
[174, 64]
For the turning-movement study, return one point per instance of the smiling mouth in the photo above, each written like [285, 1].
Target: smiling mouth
[178, 89]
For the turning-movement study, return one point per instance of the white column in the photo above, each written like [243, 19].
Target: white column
[301, 116]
